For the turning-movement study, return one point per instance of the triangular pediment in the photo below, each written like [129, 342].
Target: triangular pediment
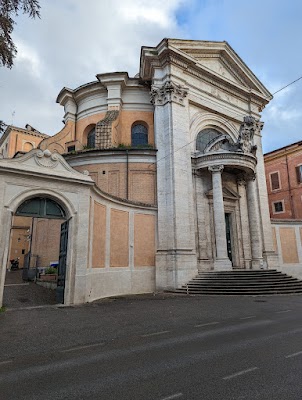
[228, 194]
[215, 60]
[221, 60]
[218, 64]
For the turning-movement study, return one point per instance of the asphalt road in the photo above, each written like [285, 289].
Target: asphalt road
[156, 348]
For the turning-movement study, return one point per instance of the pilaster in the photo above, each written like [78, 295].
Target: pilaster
[254, 221]
[244, 219]
[176, 261]
[269, 255]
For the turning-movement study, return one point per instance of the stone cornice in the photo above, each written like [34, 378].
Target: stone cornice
[286, 221]
[224, 51]
[202, 73]
[244, 162]
[124, 202]
[46, 164]
[12, 128]
[283, 151]
[246, 90]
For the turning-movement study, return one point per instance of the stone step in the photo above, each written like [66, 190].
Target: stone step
[242, 271]
[240, 285]
[250, 282]
[258, 273]
[234, 293]
[246, 289]
[245, 279]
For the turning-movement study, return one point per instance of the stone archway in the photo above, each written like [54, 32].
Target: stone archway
[50, 218]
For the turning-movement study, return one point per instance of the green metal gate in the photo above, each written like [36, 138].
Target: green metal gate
[62, 263]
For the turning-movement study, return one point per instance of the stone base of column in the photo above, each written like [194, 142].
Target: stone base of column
[174, 268]
[223, 264]
[271, 259]
[205, 265]
[258, 263]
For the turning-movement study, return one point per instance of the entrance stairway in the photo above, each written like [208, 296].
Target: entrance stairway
[242, 282]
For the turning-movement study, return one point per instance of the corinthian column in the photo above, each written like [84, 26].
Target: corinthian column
[222, 261]
[254, 220]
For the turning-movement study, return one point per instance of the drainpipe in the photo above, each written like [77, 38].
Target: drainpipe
[127, 175]
[290, 190]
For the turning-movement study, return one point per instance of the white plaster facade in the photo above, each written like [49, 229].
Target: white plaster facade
[212, 207]
[45, 174]
[202, 87]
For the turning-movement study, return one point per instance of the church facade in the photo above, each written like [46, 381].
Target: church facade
[160, 176]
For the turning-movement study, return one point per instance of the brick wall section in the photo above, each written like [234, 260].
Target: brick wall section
[46, 240]
[128, 118]
[19, 239]
[284, 161]
[120, 128]
[112, 179]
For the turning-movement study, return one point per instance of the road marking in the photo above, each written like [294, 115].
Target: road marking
[16, 284]
[154, 333]
[82, 347]
[282, 311]
[251, 316]
[6, 362]
[245, 371]
[299, 353]
[173, 396]
[208, 324]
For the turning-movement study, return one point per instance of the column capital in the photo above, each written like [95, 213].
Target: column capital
[241, 180]
[216, 168]
[167, 93]
[251, 176]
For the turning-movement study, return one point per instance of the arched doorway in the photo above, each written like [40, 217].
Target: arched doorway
[38, 247]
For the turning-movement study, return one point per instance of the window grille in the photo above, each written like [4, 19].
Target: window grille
[91, 139]
[278, 206]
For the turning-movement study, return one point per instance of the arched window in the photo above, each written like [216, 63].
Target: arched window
[91, 139]
[139, 135]
[40, 207]
[205, 137]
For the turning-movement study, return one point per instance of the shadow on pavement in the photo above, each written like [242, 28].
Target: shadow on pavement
[18, 293]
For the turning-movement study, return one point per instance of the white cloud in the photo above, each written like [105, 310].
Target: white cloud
[157, 12]
[29, 57]
[73, 41]
[76, 39]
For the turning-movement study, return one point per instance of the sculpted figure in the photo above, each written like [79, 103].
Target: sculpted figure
[246, 135]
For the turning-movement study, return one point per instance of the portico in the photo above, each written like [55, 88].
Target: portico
[232, 198]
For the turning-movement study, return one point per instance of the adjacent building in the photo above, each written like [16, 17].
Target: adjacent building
[283, 168]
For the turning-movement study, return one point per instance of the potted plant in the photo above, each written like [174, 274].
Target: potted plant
[50, 274]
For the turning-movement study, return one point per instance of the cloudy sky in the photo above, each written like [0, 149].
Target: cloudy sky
[76, 39]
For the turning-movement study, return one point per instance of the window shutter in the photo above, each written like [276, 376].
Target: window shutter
[298, 172]
[275, 181]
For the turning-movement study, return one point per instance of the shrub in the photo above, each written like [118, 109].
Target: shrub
[51, 270]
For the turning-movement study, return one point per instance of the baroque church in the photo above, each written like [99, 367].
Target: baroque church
[152, 178]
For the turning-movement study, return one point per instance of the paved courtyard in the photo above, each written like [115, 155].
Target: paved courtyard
[18, 294]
